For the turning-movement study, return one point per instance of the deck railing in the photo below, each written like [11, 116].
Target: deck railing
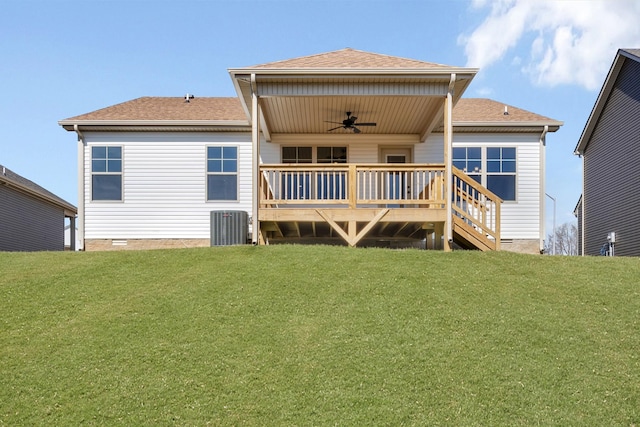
[475, 209]
[477, 206]
[353, 185]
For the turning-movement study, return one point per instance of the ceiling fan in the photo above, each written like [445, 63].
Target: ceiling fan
[350, 123]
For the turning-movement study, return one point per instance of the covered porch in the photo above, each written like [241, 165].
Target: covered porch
[354, 201]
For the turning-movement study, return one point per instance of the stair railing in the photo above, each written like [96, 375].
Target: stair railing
[477, 206]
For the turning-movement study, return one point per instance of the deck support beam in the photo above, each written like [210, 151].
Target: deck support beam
[351, 236]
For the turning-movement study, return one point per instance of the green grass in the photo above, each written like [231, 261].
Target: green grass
[295, 335]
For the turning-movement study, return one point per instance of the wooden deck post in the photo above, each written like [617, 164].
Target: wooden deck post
[353, 186]
[448, 143]
[255, 160]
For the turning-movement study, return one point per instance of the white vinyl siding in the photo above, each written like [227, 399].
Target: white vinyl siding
[164, 185]
[520, 218]
[164, 179]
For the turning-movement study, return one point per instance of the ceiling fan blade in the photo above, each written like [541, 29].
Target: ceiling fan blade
[337, 123]
[365, 124]
[338, 127]
[355, 129]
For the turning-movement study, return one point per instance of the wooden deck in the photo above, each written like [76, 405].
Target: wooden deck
[368, 204]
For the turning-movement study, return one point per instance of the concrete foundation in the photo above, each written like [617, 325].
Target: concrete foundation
[140, 244]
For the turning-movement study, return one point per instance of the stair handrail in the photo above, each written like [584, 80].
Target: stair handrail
[481, 222]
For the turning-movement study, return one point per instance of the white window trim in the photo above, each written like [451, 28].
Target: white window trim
[314, 151]
[121, 173]
[483, 169]
[207, 173]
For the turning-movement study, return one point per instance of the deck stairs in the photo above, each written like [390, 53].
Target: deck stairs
[475, 219]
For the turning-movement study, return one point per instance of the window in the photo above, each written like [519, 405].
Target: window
[332, 154]
[106, 173]
[501, 171]
[297, 155]
[496, 171]
[469, 161]
[314, 154]
[222, 173]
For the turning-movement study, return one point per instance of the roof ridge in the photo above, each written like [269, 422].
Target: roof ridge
[305, 57]
[323, 60]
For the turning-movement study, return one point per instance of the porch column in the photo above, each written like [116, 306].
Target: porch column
[82, 183]
[255, 160]
[72, 233]
[448, 143]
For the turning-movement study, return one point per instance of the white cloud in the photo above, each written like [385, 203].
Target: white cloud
[554, 41]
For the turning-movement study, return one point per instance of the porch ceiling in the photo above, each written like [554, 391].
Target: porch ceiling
[410, 105]
[312, 114]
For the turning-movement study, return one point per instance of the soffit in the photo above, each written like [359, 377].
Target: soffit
[301, 95]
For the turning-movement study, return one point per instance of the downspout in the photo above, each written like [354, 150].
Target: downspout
[543, 204]
[582, 222]
[448, 141]
[81, 185]
[255, 160]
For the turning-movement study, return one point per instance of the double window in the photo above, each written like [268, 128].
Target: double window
[314, 154]
[222, 173]
[493, 167]
[106, 173]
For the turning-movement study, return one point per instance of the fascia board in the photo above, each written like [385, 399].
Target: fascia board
[341, 72]
[235, 80]
[140, 123]
[551, 123]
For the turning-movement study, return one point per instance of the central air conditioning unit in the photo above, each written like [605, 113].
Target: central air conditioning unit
[229, 228]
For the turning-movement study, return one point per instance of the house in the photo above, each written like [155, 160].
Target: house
[610, 144]
[31, 218]
[345, 147]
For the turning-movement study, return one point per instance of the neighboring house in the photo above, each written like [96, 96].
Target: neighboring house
[31, 218]
[67, 238]
[610, 145]
[345, 147]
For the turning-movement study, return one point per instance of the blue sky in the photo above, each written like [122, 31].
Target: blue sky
[61, 58]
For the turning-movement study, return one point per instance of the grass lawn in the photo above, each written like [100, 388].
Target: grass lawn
[300, 335]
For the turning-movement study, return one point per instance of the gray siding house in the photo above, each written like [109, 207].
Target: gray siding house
[610, 149]
[31, 218]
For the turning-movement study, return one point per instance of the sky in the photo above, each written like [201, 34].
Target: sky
[62, 58]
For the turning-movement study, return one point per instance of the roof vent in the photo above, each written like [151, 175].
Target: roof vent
[506, 110]
[188, 97]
